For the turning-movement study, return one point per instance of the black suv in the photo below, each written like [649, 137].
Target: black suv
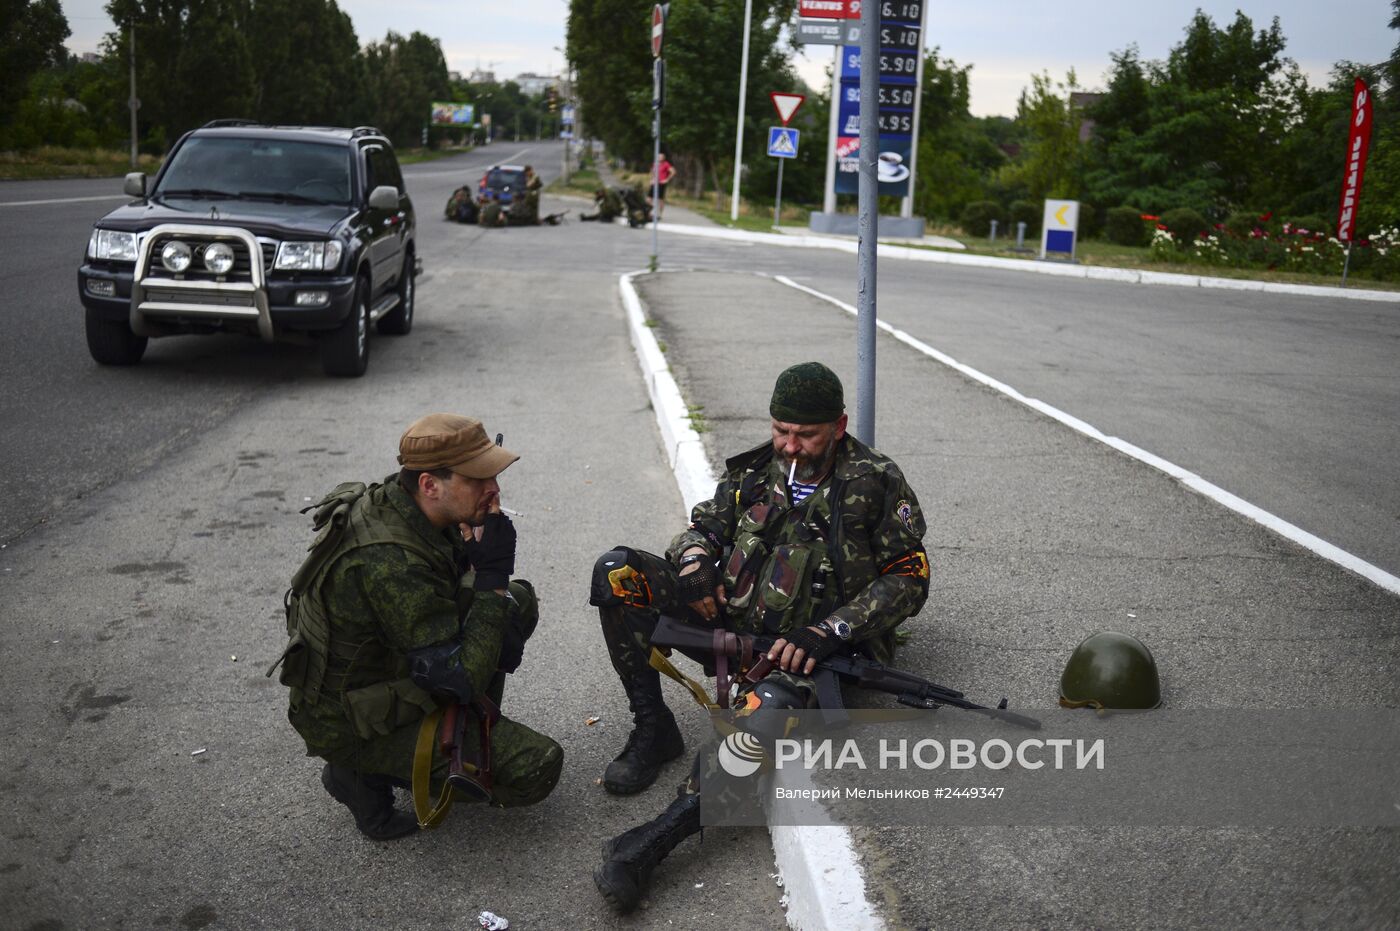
[287, 233]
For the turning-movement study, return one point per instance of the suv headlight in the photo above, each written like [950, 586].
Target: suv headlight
[308, 256]
[112, 245]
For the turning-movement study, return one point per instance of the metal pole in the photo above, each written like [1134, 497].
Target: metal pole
[739, 133]
[868, 225]
[656, 193]
[778, 204]
[131, 104]
[1346, 264]
[833, 126]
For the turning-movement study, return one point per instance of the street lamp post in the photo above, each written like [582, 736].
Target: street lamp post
[739, 133]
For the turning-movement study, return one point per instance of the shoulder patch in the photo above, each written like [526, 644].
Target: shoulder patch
[905, 512]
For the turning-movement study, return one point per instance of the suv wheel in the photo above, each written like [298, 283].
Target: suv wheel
[345, 350]
[399, 321]
[111, 342]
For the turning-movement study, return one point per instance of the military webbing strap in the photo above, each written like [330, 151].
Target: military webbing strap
[660, 663]
[428, 817]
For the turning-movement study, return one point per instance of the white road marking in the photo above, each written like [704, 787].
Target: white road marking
[1191, 480]
[62, 200]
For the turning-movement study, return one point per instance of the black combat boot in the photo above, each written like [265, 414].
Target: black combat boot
[629, 858]
[370, 799]
[655, 740]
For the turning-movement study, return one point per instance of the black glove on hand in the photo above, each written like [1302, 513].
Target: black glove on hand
[812, 644]
[518, 630]
[699, 583]
[493, 556]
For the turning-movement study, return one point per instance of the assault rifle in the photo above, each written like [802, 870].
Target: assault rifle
[718, 648]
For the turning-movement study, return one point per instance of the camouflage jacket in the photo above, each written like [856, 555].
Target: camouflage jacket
[393, 583]
[874, 545]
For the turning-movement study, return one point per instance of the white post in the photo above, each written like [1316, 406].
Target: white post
[906, 207]
[739, 133]
[833, 126]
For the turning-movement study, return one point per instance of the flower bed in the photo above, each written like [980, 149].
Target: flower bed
[1283, 247]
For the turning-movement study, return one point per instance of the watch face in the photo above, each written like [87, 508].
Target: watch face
[841, 629]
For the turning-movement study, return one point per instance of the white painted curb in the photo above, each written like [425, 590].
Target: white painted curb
[1064, 270]
[819, 868]
[1190, 479]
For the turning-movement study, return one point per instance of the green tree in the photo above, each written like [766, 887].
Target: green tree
[956, 153]
[308, 69]
[31, 39]
[1049, 163]
[606, 43]
[405, 76]
[1204, 129]
[179, 45]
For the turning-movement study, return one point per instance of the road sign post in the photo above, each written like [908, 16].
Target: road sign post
[782, 145]
[782, 142]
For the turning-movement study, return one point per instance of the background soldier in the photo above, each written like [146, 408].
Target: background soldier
[813, 537]
[386, 629]
[608, 203]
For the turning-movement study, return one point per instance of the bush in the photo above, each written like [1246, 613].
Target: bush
[1185, 224]
[1242, 223]
[1024, 211]
[1090, 220]
[1125, 226]
[1313, 223]
[977, 218]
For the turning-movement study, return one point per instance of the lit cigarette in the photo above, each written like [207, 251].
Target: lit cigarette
[792, 471]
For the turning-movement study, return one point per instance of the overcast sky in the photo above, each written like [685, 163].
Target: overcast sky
[1005, 41]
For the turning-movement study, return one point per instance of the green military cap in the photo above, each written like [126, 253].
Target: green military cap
[808, 392]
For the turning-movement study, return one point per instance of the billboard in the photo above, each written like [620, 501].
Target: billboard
[453, 114]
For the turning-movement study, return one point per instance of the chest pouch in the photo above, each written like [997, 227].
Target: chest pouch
[748, 555]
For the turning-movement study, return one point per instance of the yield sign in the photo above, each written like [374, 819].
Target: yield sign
[658, 25]
[786, 104]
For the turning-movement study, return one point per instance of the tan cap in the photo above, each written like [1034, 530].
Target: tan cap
[451, 441]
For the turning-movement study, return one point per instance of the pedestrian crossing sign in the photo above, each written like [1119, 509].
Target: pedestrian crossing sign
[782, 142]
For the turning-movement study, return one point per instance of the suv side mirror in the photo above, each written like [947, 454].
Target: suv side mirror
[384, 197]
[135, 184]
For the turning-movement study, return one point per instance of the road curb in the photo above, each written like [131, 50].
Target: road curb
[1033, 266]
[818, 864]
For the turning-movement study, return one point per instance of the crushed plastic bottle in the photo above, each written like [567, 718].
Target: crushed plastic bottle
[492, 922]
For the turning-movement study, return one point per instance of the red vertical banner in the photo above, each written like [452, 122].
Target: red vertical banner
[1358, 143]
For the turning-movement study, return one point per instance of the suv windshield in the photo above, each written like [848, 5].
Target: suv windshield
[222, 166]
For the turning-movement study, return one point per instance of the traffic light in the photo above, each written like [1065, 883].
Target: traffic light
[553, 97]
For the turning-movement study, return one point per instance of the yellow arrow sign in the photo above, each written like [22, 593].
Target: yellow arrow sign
[1060, 215]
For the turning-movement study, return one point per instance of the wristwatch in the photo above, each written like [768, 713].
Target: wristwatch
[839, 628]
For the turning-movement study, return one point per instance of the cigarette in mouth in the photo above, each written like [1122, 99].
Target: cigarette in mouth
[792, 471]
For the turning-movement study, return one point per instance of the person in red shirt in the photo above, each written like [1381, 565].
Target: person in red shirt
[663, 171]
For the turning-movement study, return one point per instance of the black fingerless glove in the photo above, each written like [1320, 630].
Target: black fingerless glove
[698, 584]
[812, 644]
[493, 556]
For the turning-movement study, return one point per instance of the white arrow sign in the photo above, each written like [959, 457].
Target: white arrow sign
[786, 104]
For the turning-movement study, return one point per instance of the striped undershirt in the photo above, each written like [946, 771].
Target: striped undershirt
[798, 492]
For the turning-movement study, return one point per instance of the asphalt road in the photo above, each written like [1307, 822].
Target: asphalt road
[1288, 402]
[141, 618]
[61, 414]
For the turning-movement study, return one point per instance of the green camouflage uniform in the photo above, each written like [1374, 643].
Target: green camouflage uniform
[381, 582]
[491, 214]
[852, 550]
[609, 204]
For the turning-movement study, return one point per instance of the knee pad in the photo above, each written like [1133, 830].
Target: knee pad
[616, 581]
[765, 714]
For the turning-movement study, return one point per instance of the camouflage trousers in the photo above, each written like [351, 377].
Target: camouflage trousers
[525, 763]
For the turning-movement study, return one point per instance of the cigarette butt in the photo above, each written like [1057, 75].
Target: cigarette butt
[592, 721]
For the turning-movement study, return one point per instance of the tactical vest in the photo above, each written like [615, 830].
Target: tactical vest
[320, 660]
[779, 572]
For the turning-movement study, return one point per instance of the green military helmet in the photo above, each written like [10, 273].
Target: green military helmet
[1110, 670]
